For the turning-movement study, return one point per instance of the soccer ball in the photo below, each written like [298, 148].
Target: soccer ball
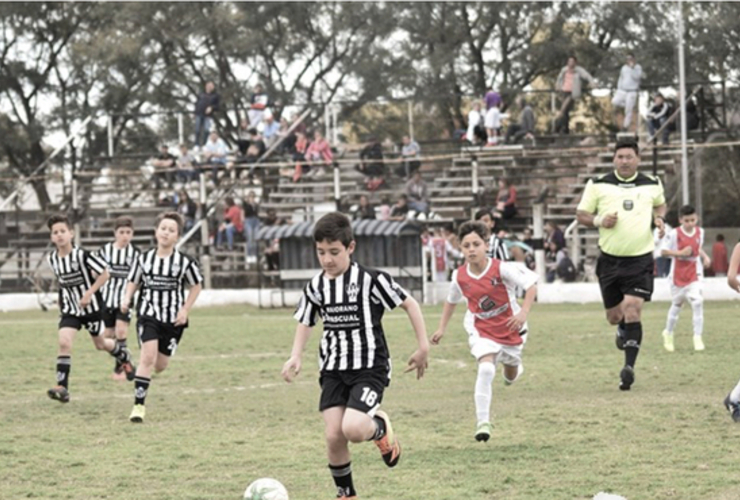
[266, 489]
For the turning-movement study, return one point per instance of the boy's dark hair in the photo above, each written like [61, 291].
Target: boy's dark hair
[627, 143]
[720, 237]
[123, 221]
[171, 216]
[334, 226]
[474, 227]
[56, 219]
[686, 210]
[482, 213]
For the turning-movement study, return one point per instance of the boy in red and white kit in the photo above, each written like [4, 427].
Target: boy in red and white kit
[684, 245]
[441, 250]
[495, 323]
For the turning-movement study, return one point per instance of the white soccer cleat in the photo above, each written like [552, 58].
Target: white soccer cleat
[698, 343]
[668, 341]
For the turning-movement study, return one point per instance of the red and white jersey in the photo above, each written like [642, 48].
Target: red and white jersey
[441, 250]
[685, 270]
[491, 298]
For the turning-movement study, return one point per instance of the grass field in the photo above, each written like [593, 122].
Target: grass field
[221, 415]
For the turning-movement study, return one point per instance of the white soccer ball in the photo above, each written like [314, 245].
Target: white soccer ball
[266, 489]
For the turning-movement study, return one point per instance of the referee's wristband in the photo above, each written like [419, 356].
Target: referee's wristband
[597, 221]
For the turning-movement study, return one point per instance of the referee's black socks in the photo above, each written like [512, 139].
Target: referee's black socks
[632, 340]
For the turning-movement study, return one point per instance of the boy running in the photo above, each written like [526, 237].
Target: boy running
[495, 323]
[732, 401]
[80, 275]
[684, 245]
[162, 315]
[354, 361]
[120, 255]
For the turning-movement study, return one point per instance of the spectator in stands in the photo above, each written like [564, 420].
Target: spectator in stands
[659, 113]
[692, 116]
[288, 138]
[400, 210]
[524, 129]
[554, 255]
[205, 108]
[410, 152]
[255, 151]
[476, 132]
[319, 153]
[251, 225]
[628, 88]
[272, 250]
[492, 98]
[720, 265]
[164, 165]
[364, 209]
[527, 237]
[371, 159]
[232, 224]
[270, 129]
[214, 154]
[570, 84]
[187, 208]
[553, 234]
[417, 193]
[186, 166]
[493, 124]
[299, 157]
[258, 103]
[384, 209]
[506, 199]
[243, 137]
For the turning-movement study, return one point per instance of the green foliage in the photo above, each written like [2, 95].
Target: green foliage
[221, 416]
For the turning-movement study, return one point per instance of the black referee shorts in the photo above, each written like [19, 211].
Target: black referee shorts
[113, 314]
[620, 276]
[361, 390]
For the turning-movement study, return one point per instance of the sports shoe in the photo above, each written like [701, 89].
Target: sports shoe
[733, 408]
[388, 445]
[119, 377]
[137, 414]
[60, 393]
[668, 341]
[128, 368]
[619, 339]
[348, 498]
[627, 375]
[483, 431]
[698, 343]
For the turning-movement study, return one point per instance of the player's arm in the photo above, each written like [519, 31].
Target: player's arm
[705, 259]
[586, 212]
[732, 271]
[447, 311]
[516, 322]
[128, 296]
[99, 282]
[292, 367]
[419, 360]
[182, 314]
[659, 218]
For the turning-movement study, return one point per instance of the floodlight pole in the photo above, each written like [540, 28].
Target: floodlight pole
[682, 103]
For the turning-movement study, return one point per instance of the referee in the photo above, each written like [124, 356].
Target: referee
[623, 204]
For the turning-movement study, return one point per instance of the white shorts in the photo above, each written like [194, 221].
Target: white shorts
[510, 355]
[690, 293]
[625, 99]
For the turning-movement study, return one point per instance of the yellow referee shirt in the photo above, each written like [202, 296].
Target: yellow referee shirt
[633, 199]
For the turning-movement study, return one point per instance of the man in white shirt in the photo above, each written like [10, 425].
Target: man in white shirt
[628, 87]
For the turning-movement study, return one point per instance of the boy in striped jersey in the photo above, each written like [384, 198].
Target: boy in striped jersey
[81, 274]
[162, 315]
[355, 365]
[120, 255]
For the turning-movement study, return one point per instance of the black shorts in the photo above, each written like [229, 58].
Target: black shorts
[620, 276]
[111, 315]
[93, 323]
[167, 334]
[361, 390]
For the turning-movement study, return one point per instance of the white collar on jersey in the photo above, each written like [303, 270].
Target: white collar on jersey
[479, 276]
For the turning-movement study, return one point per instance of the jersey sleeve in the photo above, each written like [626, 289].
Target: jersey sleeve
[307, 310]
[192, 273]
[455, 295]
[136, 271]
[94, 262]
[387, 291]
[518, 276]
[670, 242]
[589, 200]
[659, 198]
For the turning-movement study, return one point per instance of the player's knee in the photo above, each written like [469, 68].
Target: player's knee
[486, 369]
[161, 363]
[614, 317]
[99, 343]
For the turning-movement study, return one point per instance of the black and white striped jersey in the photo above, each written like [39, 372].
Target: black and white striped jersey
[119, 261]
[162, 283]
[351, 308]
[497, 248]
[76, 273]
